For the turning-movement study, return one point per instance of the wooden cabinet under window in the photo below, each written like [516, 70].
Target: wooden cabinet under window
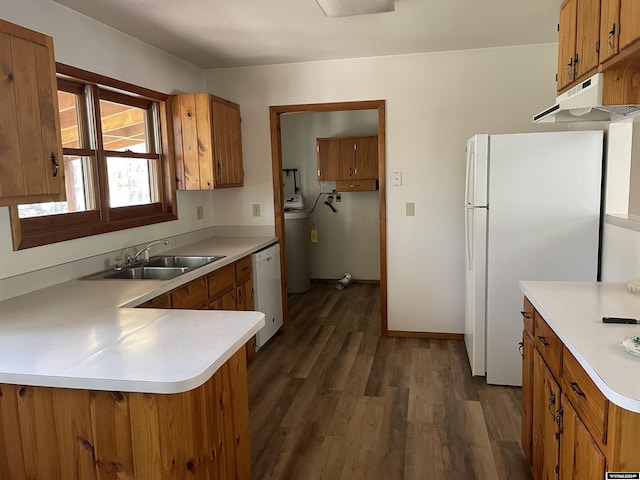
[352, 162]
[31, 163]
[208, 142]
[228, 288]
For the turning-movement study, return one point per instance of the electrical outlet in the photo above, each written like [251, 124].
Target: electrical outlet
[199, 213]
[314, 236]
[396, 179]
[256, 209]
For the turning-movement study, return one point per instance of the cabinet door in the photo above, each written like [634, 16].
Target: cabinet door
[227, 144]
[546, 446]
[161, 301]
[527, 397]
[588, 34]
[609, 29]
[629, 22]
[366, 158]
[31, 163]
[567, 42]
[244, 294]
[328, 150]
[580, 457]
[226, 301]
[346, 159]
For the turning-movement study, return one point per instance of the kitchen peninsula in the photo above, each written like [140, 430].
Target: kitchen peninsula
[580, 389]
[93, 388]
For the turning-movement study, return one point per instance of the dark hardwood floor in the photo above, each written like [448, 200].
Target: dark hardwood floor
[332, 399]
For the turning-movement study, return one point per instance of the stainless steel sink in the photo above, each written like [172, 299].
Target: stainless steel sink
[161, 267]
[181, 261]
[148, 273]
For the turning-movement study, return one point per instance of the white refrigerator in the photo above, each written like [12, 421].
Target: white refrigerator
[532, 212]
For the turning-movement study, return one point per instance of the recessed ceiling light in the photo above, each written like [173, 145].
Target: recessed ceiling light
[346, 8]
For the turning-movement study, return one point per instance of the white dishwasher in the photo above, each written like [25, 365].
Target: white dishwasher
[267, 291]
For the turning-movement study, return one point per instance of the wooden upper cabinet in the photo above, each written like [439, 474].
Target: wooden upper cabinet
[629, 22]
[31, 162]
[567, 43]
[587, 37]
[208, 142]
[351, 161]
[609, 29]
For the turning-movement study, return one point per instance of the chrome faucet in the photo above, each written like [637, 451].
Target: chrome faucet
[134, 260]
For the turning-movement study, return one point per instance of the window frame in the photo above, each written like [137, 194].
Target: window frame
[45, 230]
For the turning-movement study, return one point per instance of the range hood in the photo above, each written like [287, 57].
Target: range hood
[584, 103]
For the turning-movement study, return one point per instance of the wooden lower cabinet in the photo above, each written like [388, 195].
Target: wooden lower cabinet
[546, 432]
[71, 434]
[572, 431]
[527, 397]
[581, 457]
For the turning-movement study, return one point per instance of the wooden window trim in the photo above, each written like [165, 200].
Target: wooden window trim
[33, 232]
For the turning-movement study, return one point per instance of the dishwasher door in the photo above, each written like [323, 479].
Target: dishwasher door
[267, 291]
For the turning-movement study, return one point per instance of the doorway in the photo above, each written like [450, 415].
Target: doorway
[275, 113]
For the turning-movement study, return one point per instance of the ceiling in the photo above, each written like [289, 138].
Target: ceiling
[231, 33]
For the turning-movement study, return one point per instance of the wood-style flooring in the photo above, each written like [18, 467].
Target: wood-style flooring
[331, 399]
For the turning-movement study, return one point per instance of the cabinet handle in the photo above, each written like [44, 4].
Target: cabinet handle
[570, 69]
[525, 314]
[612, 38]
[521, 348]
[543, 340]
[240, 296]
[558, 416]
[219, 168]
[574, 386]
[54, 162]
[551, 403]
[350, 171]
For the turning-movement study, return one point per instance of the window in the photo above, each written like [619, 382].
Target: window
[117, 164]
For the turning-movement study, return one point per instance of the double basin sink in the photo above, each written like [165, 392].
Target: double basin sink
[157, 268]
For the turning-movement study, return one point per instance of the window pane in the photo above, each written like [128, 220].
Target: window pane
[69, 119]
[124, 127]
[76, 171]
[129, 181]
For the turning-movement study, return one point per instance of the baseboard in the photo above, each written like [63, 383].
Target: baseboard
[433, 335]
[353, 280]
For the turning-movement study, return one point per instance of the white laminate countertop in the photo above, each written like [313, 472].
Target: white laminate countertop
[84, 333]
[574, 311]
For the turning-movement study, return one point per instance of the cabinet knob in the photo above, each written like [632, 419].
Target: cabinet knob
[543, 340]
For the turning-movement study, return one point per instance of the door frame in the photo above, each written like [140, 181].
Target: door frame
[276, 165]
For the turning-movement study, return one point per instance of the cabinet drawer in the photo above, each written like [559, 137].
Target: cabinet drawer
[193, 295]
[162, 301]
[243, 269]
[548, 344]
[527, 316]
[584, 395]
[221, 280]
[356, 185]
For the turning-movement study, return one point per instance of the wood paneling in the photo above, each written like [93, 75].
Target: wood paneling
[71, 434]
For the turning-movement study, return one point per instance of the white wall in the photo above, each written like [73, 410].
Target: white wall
[434, 103]
[82, 42]
[348, 241]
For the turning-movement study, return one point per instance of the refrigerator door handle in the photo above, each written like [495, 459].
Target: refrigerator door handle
[470, 177]
[469, 214]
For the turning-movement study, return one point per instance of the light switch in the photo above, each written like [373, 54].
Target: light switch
[256, 209]
[411, 209]
[396, 179]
